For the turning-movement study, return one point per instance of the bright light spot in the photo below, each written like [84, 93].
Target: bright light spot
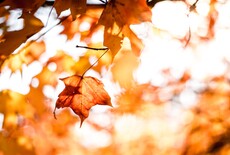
[92, 60]
[129, 127]
[97, 138]
[204, 61]
[174, 20]
[85, 26]
[35, 82]
[188, 98]
[65, 13]
[31, 70]
[71, 49]
[100, 115]
[1, 120]
[106, 80]
[142, 30]
[52, 66]
[15, 24]
[14, 82]
[20, 81]
[97, 37]
[202, 8]
[224, 14]
[2, 19]
[48, 91]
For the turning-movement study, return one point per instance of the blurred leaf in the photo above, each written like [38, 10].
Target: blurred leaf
[117, 17]
[12, 40]
[12, 105]
[6, 145]
[124, 65]
[63, 62]
[76, 7]
[26, 56]
[28, 6]
[136, 43]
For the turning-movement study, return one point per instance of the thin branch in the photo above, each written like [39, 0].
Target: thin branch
[92, 48]
[189, 36]
[97, 49]
[54, 112]
[150, 3]
[49, 15]
[191, 8]
[104, 2]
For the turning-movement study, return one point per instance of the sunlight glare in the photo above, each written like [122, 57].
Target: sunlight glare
[35, 82]
[174, 20]
[97, 138]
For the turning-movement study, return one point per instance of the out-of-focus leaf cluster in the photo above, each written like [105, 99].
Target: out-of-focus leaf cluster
[146, 118]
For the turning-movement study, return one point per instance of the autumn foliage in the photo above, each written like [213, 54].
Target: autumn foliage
[114, 77]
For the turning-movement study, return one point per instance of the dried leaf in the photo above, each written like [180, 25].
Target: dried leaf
[81, 93]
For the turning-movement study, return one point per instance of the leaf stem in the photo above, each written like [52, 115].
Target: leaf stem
[97, 49]
[54, 112]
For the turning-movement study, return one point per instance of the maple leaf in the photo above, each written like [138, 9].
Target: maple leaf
[76, 7]
[81, 93]
[117, 17]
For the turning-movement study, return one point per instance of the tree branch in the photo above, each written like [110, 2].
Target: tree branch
[150, 3]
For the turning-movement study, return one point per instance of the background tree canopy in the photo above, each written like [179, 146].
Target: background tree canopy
[121, 77]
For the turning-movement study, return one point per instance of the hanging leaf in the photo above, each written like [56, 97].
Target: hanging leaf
[81, 93]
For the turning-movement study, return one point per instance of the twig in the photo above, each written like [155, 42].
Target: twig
[54, 112]
[189, 36]
[191, 8]
[97, 49]
[92, 48]
[49, 14]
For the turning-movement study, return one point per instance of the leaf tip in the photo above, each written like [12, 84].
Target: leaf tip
[110, 104]
[54, 112]
[82, 120]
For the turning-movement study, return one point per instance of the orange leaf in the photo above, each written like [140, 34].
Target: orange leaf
[113, 42]
[136, 43]
[133, 11]
[76, 7]
[117, 17]
[12, 40]
[81, 93]
[124, 65]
